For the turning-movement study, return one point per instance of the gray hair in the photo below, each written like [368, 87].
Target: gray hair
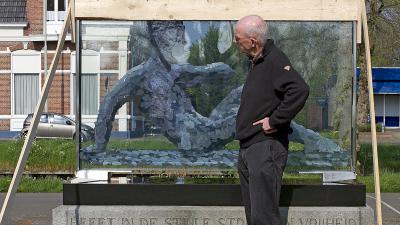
[257, 28]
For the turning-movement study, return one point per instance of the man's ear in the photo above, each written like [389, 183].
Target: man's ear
[253, 42]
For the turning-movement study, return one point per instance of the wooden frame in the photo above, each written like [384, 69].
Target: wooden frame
[299, 10]
[284, 10]
[294, 10]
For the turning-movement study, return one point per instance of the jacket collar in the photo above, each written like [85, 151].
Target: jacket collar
[266, 50]
[268, 47]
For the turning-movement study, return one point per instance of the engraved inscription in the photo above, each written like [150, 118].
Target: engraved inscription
[202, 221]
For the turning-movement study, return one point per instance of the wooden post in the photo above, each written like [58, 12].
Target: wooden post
[36, 118]
[372, 117]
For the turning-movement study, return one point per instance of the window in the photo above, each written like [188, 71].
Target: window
[379, 104]
[60, 120]
[89, 94]
[392, 110]
[44, 118]
[56, 10]
[50, 5]
[26, 93]
[61, 5]
[90, 86]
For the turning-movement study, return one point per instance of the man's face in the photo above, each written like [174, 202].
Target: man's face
[244, 42]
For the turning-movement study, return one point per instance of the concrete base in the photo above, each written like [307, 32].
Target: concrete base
[204, 215]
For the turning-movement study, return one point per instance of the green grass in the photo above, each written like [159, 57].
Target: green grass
[296, 146]
[46, 155]
[389, 158]
[331, 134]
[233, 145]
[389, 182]
[29, 184]
[367, 127]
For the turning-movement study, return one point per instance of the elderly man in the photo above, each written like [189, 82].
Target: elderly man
[273, 94]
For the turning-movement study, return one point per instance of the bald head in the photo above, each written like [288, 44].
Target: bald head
[253, 26]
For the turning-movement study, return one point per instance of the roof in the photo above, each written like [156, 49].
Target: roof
[12, 11]
[386, 80]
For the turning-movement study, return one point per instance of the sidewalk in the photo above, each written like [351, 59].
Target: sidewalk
[390, 207]
[32, 208]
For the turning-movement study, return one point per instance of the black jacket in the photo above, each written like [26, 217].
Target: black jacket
[272, 89]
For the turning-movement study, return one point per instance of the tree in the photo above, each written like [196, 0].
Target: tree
[206, 96]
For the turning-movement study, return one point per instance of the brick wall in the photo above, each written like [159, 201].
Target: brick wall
[5, 94]
[109, 61]
[5, 61]
[106, 45]
[59, 95]
[12, 45]
[34, 16]
[112, 80]
[64, 62]
[53, 45]
[4, 125]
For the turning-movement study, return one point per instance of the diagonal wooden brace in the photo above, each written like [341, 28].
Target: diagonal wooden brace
[372, 115]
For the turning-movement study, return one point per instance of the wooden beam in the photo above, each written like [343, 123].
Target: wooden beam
[26, 149]
[372, 117]
[284, 10]
[72, 2]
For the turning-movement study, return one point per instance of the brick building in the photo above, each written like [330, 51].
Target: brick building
[22, 63]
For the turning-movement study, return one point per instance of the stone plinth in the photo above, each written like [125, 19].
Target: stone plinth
[204, 215]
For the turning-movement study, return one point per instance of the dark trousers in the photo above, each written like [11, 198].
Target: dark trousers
[260, 169]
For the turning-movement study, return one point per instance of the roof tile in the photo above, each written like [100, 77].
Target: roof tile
[12, 11]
